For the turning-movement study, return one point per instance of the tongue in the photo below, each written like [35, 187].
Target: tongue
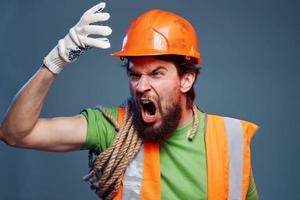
[148, 118]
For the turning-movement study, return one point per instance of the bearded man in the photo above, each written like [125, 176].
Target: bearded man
[159, 144]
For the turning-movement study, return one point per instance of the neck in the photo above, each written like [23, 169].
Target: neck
[186, 116]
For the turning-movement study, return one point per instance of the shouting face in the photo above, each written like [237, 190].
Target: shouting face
[155, 88]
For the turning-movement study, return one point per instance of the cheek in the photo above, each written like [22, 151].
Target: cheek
[168, 92]
[132, 88]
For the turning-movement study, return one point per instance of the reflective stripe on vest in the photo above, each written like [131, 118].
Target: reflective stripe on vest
[132, 184]
[228, 163]
[228, 157]
[235, 139]
[147, 187]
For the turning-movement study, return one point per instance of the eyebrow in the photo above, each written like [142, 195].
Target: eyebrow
[159, 68]
[129, 70]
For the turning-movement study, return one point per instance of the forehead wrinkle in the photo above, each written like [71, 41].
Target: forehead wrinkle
[147, 66]
[147, 72]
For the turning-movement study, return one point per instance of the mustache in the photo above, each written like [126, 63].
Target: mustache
[147, 96]
[144, 96]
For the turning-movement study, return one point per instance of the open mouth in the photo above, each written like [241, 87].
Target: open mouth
[148, 111]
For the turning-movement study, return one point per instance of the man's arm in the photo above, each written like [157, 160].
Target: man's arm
[22, 126]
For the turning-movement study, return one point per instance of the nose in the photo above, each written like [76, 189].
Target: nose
[143, 84]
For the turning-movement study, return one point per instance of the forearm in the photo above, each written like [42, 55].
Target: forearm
[21, 126]
[26, 107]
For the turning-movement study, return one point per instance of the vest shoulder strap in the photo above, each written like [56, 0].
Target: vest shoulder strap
[151, 169]
[217, 157]
[121, 114]
[228, 156]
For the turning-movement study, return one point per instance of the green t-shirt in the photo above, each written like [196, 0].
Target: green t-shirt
[177, 154]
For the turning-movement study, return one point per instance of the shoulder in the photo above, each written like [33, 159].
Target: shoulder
[100, 131]
[96, 113]
[232, 124]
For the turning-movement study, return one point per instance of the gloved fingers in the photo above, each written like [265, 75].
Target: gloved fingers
[95, 9]
[102, 43]
[92, 18]
[62, 50]
[73, 35]
[95, 29]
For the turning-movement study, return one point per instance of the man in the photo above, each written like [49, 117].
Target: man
[158, 145]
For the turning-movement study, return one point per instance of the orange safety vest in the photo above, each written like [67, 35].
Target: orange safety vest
[228, 162]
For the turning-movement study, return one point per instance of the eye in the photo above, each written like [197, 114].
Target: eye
[157, 74]
[134, 76]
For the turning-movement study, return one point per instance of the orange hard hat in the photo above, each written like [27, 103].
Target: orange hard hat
[159, 32]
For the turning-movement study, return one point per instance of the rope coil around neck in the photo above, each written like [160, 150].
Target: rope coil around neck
[109, 166]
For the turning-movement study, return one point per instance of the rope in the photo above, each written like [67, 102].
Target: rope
[194, 129]
[109, 167]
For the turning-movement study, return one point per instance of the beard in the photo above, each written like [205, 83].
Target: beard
[169, 122]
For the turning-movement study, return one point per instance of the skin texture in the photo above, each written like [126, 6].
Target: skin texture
[158, 81]
[23, 128]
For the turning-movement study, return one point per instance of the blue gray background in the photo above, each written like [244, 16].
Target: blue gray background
[251, 71]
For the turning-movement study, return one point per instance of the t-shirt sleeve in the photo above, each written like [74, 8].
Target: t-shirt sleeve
[100, 132]
[252, 191]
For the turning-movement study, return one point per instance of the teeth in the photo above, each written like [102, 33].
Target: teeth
[147, 113]
[145, 101]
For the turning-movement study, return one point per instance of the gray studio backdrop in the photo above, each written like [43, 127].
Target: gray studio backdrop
[251, 71]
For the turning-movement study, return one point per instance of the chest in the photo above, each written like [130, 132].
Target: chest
[182, 170]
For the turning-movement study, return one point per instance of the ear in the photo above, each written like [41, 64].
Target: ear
[186, 82]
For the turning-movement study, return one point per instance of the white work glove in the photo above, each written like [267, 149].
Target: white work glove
[76, 42]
